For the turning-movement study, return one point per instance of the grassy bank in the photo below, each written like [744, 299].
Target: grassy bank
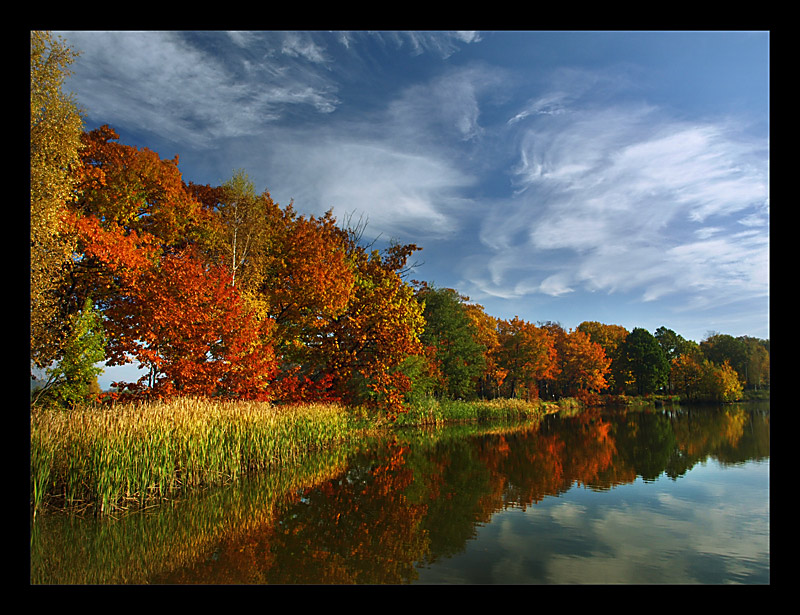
[432, 411]
[118, 457]
[108, 458]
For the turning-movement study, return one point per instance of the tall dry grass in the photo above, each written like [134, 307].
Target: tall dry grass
[113, 457]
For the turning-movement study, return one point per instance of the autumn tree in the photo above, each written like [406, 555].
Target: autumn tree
[130, 205]
[485, 327]
[136, 190]
[369, 342]
[56, 127]
[245, 219]
[299, 275]
[686, 375]
[720, 382]
[609, 337]
[528, 354]
[344, 321]
[144, 254]
[719, 348]
[183, 321]
[749, 356]
[583, 363]
[698, 379]
[307, 282]
[757, 372]
[673, 345]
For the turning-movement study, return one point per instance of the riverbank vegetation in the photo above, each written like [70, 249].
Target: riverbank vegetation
[108, 458]
[264, 317]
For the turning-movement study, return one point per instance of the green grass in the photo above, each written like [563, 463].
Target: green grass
[431, 411]
[111, 458]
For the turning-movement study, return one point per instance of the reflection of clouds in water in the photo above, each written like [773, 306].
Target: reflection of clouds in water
[643, 545]
[664, 541]
[568, 514]
[704, 528]
[513, 566]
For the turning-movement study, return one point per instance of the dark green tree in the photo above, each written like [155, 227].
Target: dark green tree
[646, 361]
[720, 347]
[449, 329]
[669, 342]
[674, 345]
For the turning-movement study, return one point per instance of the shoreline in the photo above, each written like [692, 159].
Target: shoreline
[111, 459]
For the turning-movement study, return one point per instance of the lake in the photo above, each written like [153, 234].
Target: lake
[675, 496]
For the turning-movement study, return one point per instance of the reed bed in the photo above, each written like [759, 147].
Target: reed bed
[432, 411]
[125, 456]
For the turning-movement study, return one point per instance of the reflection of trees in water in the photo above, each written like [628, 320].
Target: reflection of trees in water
[406, 501]
[174, 536]
[598, 450]
[732, 434]
[358, 527]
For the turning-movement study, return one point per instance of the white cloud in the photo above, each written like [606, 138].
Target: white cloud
[399, 193]
[159, 82]
[555, 285]
[299, 44]
[605, 196]
[445, 107]
[402, 166]
[442, 43]
[617, 198]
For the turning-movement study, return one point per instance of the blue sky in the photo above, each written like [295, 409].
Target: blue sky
[621, 177]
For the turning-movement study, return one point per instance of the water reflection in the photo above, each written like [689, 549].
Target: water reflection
[602, 497]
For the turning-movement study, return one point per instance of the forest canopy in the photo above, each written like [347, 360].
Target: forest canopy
[221, 291]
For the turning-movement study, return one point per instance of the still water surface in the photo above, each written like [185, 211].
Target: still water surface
[605, 497]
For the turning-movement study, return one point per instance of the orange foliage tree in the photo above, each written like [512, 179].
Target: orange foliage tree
[143, 241]
[184, 322]
[486, 334]
[137, 190]
[344, 320]
[307, 283]
[686, 375]
[584, 364]
[609, 337]
[528, 354]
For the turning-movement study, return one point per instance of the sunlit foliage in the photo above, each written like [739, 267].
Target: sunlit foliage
[56, 127]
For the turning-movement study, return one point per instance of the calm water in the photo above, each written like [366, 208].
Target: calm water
[604, 497]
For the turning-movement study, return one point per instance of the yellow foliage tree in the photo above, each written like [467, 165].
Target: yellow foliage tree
[56, 126]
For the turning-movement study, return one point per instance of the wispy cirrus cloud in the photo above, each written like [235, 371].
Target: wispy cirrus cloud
[539, 183]
[624, 198]
[402, 166]
[439, 42]
[240, 92]
[400, 193]
[163, 82]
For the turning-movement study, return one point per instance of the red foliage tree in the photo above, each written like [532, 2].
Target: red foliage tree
[185, 324]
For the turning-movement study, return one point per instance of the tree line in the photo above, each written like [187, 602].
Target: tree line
[220, 291]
